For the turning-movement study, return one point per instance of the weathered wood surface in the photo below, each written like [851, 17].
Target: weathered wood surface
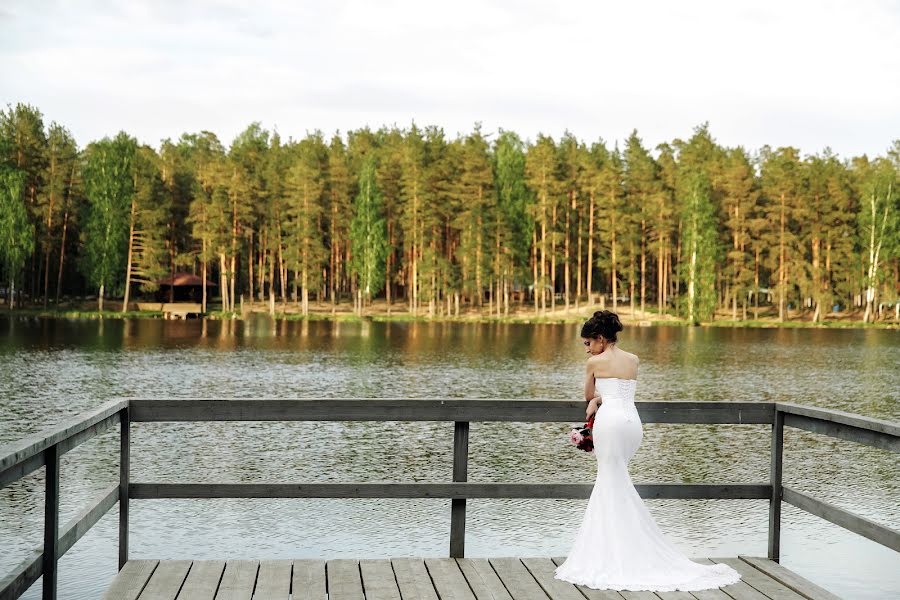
[150, 491]
[70, 429]
[423, 409]
[865, 527]
[28, 571]
[502, 578]
[852, 433]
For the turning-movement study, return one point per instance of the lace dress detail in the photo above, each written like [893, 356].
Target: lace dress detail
[618, 545]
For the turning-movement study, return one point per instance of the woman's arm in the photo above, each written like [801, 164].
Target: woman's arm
[589, 382]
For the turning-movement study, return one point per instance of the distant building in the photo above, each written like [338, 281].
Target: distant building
[184, 287]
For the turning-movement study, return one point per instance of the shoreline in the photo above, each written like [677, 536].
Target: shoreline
[652, 319]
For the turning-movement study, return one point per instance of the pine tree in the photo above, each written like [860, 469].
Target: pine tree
[474, 190]
[147, 225]
[338, 192]
[570, 163]
[739, 207]
[612, 211]
[61, 156]
[207, 213]
[782, 185]
[541, 176]
[643, 190]
[303, 211]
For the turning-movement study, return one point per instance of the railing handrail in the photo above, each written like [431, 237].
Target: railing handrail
[19, 451]
[19, 458]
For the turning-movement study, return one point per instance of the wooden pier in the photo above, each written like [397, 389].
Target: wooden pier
[414, 578]
[422, 579]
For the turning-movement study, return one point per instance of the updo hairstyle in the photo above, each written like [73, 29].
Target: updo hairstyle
[604, 323]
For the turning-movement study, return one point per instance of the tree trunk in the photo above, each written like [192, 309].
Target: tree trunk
[566, 256]
[590, 252]
[553, 260]
[223, 282]
[130, 257]
[62, 255]
[643, 263]
[613, 266]
[781, 266]
[534, 269]
[203, 276]
[250, 267]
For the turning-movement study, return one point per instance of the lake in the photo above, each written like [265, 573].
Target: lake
[54, 368]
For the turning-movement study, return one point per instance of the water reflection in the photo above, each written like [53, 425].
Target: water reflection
[50, 369]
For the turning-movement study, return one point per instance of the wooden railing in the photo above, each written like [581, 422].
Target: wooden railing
[44, 450]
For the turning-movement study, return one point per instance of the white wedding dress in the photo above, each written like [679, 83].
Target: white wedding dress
[619, 546]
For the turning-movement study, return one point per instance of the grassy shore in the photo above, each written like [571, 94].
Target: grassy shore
[378, 311]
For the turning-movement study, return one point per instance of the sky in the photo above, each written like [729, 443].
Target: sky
[809, 74]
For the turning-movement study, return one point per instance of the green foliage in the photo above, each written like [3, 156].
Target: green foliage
[449, 221]
[368, 234]
[304, 186]
[16, 232]
[513, 199]
[699, 250]
[109, 186]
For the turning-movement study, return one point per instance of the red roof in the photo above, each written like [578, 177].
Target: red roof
[185, 279]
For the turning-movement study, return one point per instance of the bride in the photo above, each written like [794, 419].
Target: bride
[619, 546]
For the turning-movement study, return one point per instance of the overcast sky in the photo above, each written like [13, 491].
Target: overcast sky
[810, 74]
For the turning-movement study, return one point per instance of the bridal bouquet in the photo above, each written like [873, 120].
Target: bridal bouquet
[583, 437]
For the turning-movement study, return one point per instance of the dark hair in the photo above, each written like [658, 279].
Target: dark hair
[605, 323]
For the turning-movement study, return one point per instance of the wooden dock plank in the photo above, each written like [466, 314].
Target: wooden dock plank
[449, 581]
[273, 581]
[413, 579]
[739, 591]
[759, 580]
[482, 579]
[202, 580]
[677, 596]
[238, 580]
[517, 579]
[344, 582]
[802, 586]
[634, 595]
[308, 582]
[591, 593]
[378, 579]
[542, 569]
[166, 580]
[130, 581]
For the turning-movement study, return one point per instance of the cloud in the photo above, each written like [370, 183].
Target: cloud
[805, 73]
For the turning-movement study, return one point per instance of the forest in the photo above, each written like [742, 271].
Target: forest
[486, 223]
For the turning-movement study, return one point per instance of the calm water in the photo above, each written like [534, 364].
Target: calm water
[50, 369]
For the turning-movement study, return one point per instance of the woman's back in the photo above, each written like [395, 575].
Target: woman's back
[615, 362]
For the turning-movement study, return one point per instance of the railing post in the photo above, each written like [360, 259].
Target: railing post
[124, 468]
[458, 505]
[775, 480]
[51, 523]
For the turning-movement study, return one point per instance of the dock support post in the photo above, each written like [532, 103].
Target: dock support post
[775, 480]
[460, 473]
[51, 524]
[124, 469]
